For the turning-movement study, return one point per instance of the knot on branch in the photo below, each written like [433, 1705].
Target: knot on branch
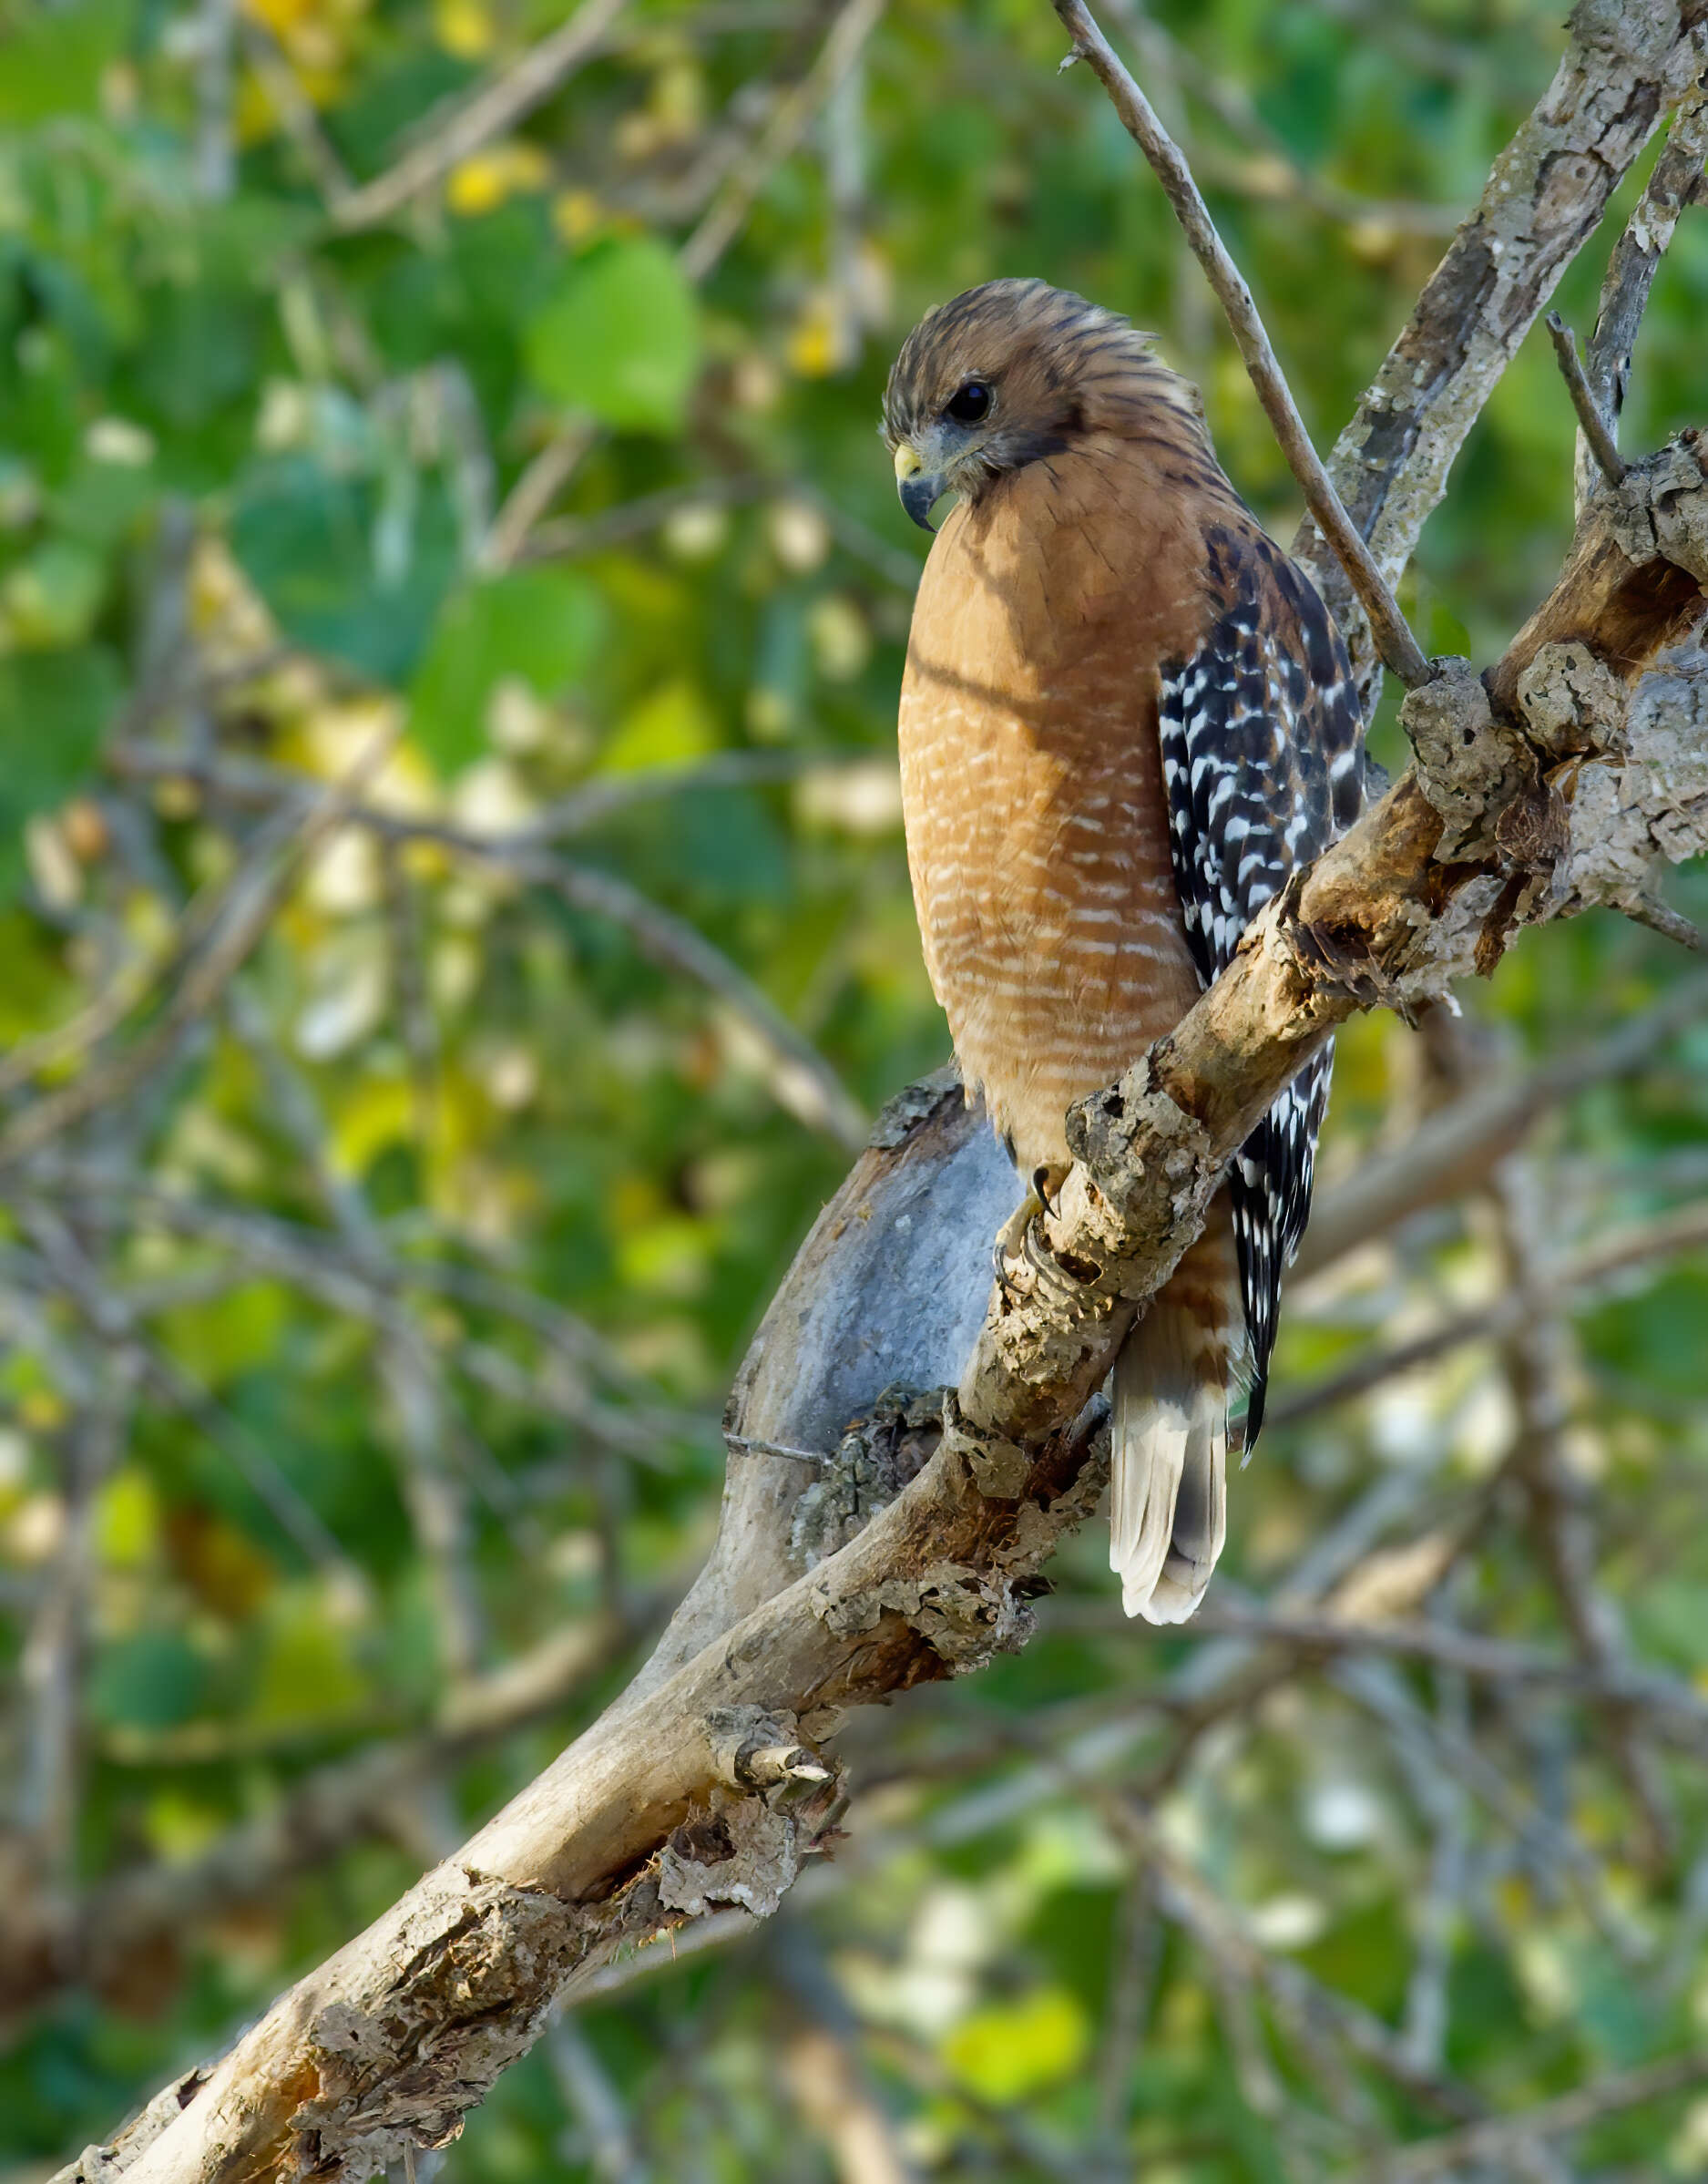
[999, 1467]
[965, 1616]
[753, 1750]
[737, 1850]
[879, 1455]
[1659, 511]
[1146, 1167]
[1469, 766]
[1573, 703]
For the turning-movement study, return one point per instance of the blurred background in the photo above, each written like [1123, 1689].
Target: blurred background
[455, 930]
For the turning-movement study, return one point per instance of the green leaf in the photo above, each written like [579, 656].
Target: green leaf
[540, 625]
[53, 65]
[621, 338]
[53, 709]
[152, 1681]
[309, 542]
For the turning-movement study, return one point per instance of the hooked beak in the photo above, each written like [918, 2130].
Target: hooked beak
[920, 488]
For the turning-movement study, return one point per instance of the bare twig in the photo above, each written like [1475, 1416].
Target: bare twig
[842, 48]
[1495, 2139]
[592, 2099]
[498, 104]
[1592, 423]
[1454, 1150]
[1536, 1361]
[561, 456]
[1684, 1228]
[295, 109]
[1674, 182]
[801, 1079]
[323, 1812]
[1399, 648]
[1269, 169]
[245, 913]
[1671, 924]
[543, 478]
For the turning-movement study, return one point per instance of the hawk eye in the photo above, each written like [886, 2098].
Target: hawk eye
[968, 404]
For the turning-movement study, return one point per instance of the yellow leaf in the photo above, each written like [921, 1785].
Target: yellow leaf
[382, 1112]
[1014, 2049]
[477, 185]
[127, 1519]
[577, 215]
[673, 723]
[482, 183]
[464, 28]
[816, 343]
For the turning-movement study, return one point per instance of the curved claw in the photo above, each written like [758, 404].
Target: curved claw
[1010, 1242]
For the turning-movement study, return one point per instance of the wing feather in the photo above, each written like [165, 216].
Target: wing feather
[1263, 766]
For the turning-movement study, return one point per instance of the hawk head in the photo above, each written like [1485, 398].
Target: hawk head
[1010, 372]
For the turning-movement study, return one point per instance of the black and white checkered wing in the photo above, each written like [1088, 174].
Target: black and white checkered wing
[1263, 765]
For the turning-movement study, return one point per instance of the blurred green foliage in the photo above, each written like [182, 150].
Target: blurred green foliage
[376, 1330]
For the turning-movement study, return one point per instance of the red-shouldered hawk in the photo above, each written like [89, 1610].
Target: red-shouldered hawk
[1126, 716]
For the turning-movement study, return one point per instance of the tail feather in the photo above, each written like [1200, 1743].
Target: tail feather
[1168, 1502]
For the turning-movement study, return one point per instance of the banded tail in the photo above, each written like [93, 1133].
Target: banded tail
[1168, 1436]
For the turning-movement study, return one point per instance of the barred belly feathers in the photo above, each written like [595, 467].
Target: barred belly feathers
[1126, 716]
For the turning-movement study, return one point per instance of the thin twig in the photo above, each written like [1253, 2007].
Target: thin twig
[247, 910]
[1675, 182]
[1590, 421]
[543, 478]
[1457, 1146]
[842, 48]
[1537, 1358]
[1671, 924]
[800, 1078]
[1266, 167]
[1495, 2139]
[496, 106]
[1683, 1228]
[1399, 648]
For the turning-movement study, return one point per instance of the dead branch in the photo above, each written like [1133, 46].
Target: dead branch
[1592, 423]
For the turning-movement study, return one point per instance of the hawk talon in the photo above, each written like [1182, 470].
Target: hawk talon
[1010, 1242]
